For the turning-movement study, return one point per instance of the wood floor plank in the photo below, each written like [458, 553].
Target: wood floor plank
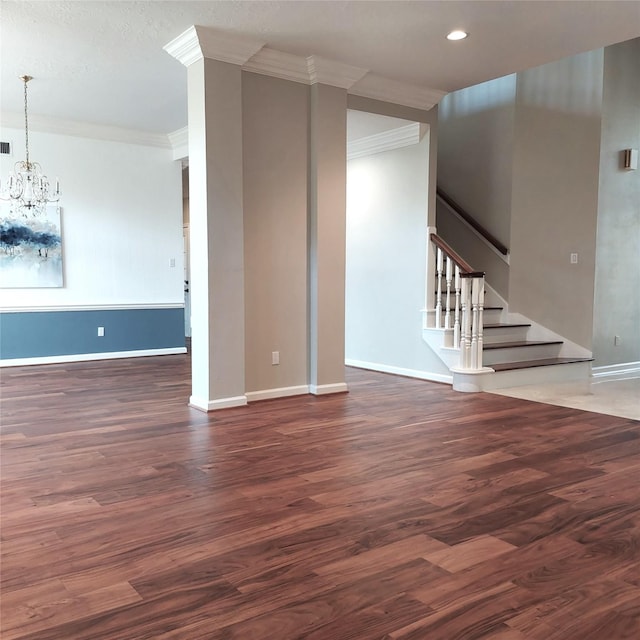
[399, 510]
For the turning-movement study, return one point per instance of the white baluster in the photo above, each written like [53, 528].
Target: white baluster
[480, 305]
[465, 341]
[456, 318]
[474, 322]
[447, 313]
[439, 256]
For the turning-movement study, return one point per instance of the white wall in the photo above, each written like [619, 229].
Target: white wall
[121, 221]
[387, 196]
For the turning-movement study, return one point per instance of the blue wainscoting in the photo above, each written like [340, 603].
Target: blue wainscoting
[38, 334]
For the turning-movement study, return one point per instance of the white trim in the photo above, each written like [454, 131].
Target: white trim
[185, 48]
[325, 389]
[203, 42]
[400, 371]
[221, 403]
[94, 307]
[282, 392]
[84, 357]
[475, 232]
[388, 90]
[626, 369]
[397, 138]
[334, 73]
[46, 124]
[271, 62]
[179, 141]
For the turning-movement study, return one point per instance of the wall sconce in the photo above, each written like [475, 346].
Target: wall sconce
[630, 159]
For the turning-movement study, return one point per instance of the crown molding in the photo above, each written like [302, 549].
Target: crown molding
[179, 141]
[271, 62]
[331, 72]
[46, 124]
[186, 47]
[203, 42]
[388, 90]
[393, 139]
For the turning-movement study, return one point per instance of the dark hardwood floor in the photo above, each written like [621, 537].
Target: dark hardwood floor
[401, 510]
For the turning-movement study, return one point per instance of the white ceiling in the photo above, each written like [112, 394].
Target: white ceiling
[103, 62]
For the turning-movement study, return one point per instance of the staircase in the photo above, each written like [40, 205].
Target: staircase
[507, 349]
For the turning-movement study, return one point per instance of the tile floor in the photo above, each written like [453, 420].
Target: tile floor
[619, 397]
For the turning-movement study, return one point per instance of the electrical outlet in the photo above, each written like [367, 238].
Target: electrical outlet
[100, 332]
[574, 258]
[616, 341]
[172, 262]
[275, 357]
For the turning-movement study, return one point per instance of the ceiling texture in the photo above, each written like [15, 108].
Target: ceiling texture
[103, 62]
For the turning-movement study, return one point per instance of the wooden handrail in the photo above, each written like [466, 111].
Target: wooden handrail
[465, 267]
[489, 237]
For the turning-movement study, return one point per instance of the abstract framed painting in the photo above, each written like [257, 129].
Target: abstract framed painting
[30, 249]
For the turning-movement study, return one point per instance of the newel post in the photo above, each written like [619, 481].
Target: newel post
[471, 340]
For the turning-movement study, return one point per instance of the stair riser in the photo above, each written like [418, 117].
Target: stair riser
[517, 354]
[489, 315]
[495, 336]
[492, 316]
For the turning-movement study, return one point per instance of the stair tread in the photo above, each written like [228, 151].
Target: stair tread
[505, 325]
[527, 364]
[520, 343]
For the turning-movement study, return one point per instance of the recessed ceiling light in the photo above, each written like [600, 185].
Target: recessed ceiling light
[457, 35]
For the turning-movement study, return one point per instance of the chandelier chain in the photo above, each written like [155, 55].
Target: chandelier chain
[26, 121]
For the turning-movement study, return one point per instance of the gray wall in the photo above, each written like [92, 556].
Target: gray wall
[555, 194]
[522, 154]
[478, 254]
[477, 125]
[617, 297]
[475, 167]
[275, 151]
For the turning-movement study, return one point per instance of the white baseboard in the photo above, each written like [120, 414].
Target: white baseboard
[400, 371]
[221, 403]
[83, 357]
[282, 392]
[622, 370]
[325, 389]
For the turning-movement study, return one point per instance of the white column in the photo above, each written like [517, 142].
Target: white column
[327, 237]
[214, 84]
[216, 234]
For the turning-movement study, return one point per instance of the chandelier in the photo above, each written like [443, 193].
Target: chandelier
[27, 188]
